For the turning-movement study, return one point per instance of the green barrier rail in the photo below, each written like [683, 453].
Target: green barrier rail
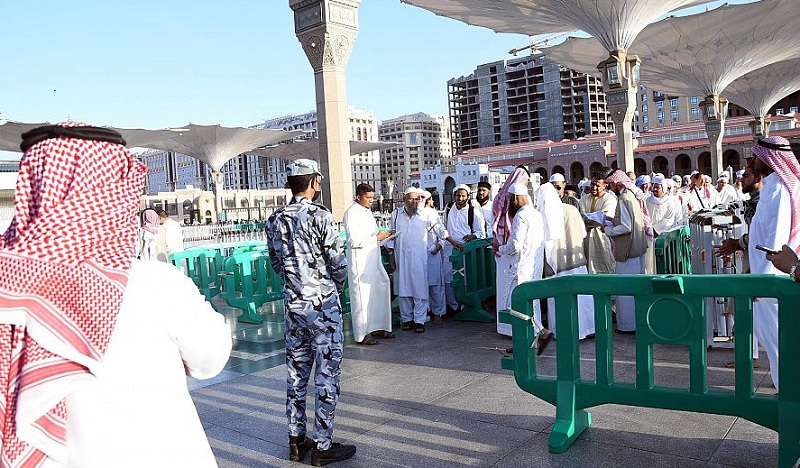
[249, 281]
[202, 266]
[674, 252]
[669, 310]
[474, 279]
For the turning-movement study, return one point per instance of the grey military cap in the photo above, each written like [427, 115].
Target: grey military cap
[302, 167]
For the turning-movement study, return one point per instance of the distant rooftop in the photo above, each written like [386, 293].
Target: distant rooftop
[9, 166]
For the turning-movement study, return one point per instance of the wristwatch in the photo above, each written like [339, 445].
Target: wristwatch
[793, 271]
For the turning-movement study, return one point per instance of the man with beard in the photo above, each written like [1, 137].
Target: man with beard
[305, 250]
[701, 196]
[525, 248]
[751, 186]
[664, 208]
[463, 220]
[594, 209]
[482, 196]
[559, 183]
[630, 242]
[414, 230]
[775, 223]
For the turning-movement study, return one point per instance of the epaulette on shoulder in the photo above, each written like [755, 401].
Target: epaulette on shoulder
[321, 206]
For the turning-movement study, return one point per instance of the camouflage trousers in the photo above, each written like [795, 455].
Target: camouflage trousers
[323, 350]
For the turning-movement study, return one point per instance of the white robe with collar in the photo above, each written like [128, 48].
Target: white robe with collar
[370, 294]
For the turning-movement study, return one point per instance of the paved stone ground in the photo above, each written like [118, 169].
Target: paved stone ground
[438, 400]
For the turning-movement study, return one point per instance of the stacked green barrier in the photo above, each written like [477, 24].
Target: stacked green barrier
[202, 266]
[674, 252]
[669, 310]
[474, 279]
[249, 281]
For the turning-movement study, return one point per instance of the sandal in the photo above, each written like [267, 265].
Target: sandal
[368, 341]
[419, 328]
[437, 319]
[383, 334]
[407, 326]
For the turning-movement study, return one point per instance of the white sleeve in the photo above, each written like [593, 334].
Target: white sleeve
[625, 222]
[478, 223]
[203, 337]
[174, 239]
[519, 229]
[357, 233]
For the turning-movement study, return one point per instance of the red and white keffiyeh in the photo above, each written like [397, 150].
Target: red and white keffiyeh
[619, 177]
[61, 284]
[500, 206]
[777, 153]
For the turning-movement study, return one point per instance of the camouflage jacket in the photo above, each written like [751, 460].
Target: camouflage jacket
[306, 251]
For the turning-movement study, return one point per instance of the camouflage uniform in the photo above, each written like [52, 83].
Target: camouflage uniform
[306, 251]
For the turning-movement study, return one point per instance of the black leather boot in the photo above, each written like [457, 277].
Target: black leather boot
[298, 447]
[337, 452]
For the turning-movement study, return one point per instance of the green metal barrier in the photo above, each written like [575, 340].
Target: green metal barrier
[202, 266]
[674, 252]
[474, 279]
[249, 281]
[669, 310]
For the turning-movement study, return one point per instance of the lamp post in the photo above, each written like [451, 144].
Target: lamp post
[715, 109]
[759, 127]
[620, 73]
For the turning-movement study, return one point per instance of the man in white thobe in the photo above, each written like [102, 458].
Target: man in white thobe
[701, 195]
[170, 237]
[436, 294]
[410, 258]
[525, 247]
[456, 221]
[370, 296]
[630, 243]
[483, 196]
[595, 207]
[564, 255]
[775, 223]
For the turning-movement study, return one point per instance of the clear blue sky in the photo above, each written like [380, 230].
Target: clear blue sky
[156, 64]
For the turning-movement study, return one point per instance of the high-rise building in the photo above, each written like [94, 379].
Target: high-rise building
[525, 99]
[168, 171]
[363, 127]
[423, 141]
[656, 110]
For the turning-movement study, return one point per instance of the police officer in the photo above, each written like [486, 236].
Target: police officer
[306, 251]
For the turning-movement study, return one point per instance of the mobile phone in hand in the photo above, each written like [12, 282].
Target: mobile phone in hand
[767, 250]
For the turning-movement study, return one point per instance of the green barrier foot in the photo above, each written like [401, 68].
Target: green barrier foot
[474, 315]
[565, 431]
[250, 316]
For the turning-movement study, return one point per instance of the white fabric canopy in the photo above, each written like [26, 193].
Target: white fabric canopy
[614, 23]
[761, 89]
[310, 149]
[704, 53]
[11, 135]
[215, 145]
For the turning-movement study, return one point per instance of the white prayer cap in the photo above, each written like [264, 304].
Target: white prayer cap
[426, 194]
[518, 189]
[584, 183]
[658, 180]
[677, 179]
[461, 187]
[693, 173]
[642, 179]
[412, 189]
[557, 178]
[740, 173]
[722, 179]
[706, 178]
[723, 175]
[659, 174]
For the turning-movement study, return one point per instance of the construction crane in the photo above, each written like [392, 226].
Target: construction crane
[541, 42]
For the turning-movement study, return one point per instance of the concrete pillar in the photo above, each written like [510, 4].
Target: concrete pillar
[327, 30]
[622, 105]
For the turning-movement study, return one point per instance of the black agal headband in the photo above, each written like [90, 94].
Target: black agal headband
[47, 132]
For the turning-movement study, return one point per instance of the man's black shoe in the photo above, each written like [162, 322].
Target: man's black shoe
[336, 453]
[298, 447]
[407, 326]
